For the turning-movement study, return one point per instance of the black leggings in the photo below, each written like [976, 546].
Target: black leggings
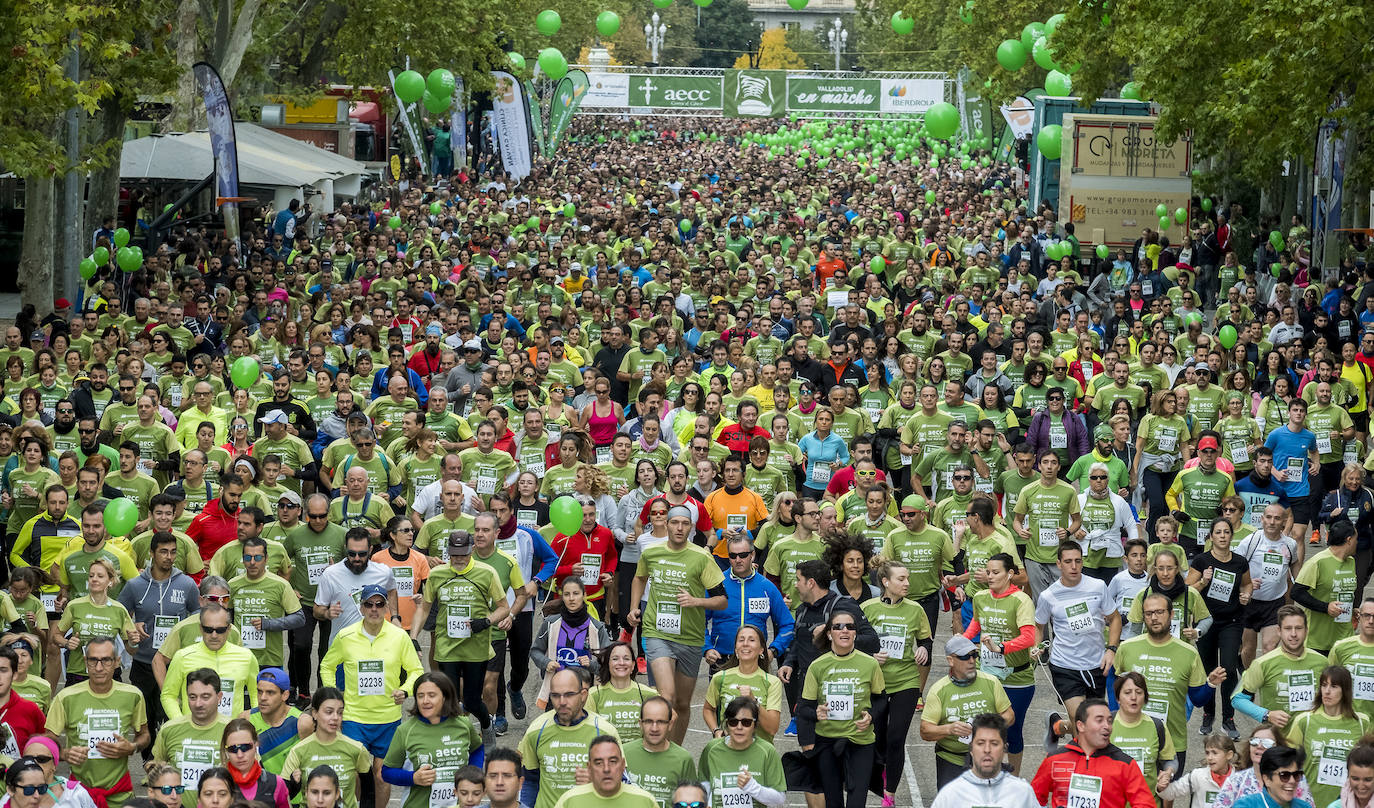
[518, 641]
[892, 731]
[468, 678]
[1156, 484]
[844, 775]
[299, 666]
[1221, 646]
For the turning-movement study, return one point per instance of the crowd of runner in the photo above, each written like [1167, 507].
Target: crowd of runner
[811, 419]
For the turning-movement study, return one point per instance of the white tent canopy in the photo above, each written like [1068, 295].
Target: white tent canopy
[267, 159]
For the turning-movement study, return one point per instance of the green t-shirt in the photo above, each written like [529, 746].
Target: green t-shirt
[457, 597]
[1204, 405]
[269, 596]
[190, 749]
[767, 482]
[80, 718]
[87, 620]
[720, 765]
[845, 685]
[658, 772]
[729, 683]
[1330, 579]
[445, 746]
[1170, 669]
[924, 554]
[1354, 654]
[345, 756]
[585, 796]
[140, 488]
[273, 759]
[949, 703]
[1199, 495]
[1165, 436]
[784, 557]
[559, 480]
[1047, 508]
[311, 554]
[295, 455]
[621, 707]
[1002, 619]
[487, 473]
[936, 469]
[1327, 740]
[900, 626]
[432, 540]
[558, 751]
[930, 432]
[1281, 682]
[1147, 742]
[692, 569]
[27, 488]
[372, 511]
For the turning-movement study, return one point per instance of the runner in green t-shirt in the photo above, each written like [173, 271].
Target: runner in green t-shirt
[192, 742]
[555, 744]
[653, 762]
[1325, 587]
[1047, 512]
[953, 702]
[1282, 683]
[265, 605]
[920, 547]
[738, 764]
[841, 689]
[432, 746]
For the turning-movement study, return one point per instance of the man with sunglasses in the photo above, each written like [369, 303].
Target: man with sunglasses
[103, 715]
[924, 550]
[119, 415]
[1107, 522]
[88, 442]
[313, 545]
[192, 742]
[689, 795]
[337, 599]
[753, 600]
[236, 665]
[265, 605]
[953, 702]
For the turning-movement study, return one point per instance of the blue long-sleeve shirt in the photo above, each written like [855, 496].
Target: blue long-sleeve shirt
[544, 557]
[755, 601]
[379, 381]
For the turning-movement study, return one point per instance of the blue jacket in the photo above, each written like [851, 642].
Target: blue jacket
[722, 625]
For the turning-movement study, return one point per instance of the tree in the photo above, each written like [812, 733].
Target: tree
[809, 47]
[726, 31]
[773, 53]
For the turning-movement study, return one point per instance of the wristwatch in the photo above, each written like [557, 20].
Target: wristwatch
[1112, 648]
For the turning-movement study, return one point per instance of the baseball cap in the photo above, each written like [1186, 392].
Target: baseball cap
[1208, 442]
[61, 303]
[1103, 432]
[273, 417]
[291, 497]
[276, 676]
[372, 591]
[915, 501]
[473, 344]
[556, 341]
[460, 541]
[433, 330]
[959, 646]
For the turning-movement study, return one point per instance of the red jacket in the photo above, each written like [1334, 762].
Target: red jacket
[23, 717]
[570, 550]
[213, 528]
[1122, 781]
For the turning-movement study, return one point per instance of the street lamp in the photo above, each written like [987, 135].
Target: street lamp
[838, 37]
[654, 31]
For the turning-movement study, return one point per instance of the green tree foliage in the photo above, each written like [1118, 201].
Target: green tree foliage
[727, 30]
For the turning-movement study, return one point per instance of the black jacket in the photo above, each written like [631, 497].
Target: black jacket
[803, 651]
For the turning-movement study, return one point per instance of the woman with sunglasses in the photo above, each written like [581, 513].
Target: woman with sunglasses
[842, 697]
[65, 792]
[410, 568]
[559, 417]
[743, 769]
[1223, 579]
[430, 746]
[1280, 778]
[781, 522]
[690, 403]
[27, 784]
[164, 785]
[618, 696]
[1327, 733]
[251, 781]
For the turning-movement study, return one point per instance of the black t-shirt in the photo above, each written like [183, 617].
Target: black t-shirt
[1224, 574]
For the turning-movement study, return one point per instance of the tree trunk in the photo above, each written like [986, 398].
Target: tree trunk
[237, 45]
[36, 259]
[103, 191]
[183, 114]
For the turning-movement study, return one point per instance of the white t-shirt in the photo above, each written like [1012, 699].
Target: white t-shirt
[338, 583]
[1122, 591]
[1269, 563]
[1076, 617]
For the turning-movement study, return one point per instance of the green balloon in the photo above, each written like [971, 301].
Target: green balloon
[1275, 268]
[685, 226]
[516, 61]
[1103, 251]
[930, 197]
[245, 372]
[877, 264]
[1276, 239]
[1043, 55]
[88, 268]
[1052, 24]
[410, 86]
[966, 13]
[607, 23]
[548, 22]
[1059, 84]
[1206, 204]
[798, 5]
[1049, 140]
[569, 210]
[663, 3]
[902, 24]
[1161, 209]
[1131, 90]
[120, 516]
[101, 255]
[533, 221]
[1181, 215]
[435, 208]
[1163, 223]
[943, 120]
[441, 82]
[1032, 32]
[129, 258]
[553, 63]
[702, 3]
[965, 164]
[565, 515]
[435, 104]
[121, 237]
[1227, 336]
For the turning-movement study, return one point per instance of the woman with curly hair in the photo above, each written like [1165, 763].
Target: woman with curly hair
[847, 555]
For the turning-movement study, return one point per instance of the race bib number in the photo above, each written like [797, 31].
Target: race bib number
[1240, 453]
[668, 618]
[527, 518]
[1351, 454]
[486, 482]
[1147, 288]
[839, 700]
[49, 600]
[226, 698]
[1080, 618]
[1302, 691]
[1168, 439]
[1059, 439]
[1363, 676]
[196, 759]
[991, 659]
[536, 468]
[1049, 536]
[1157, 708]
[836, 299]
[444, 792]
[459, 623]
[1223, 584]
[405, 582]
[1324, 444]
[315, 565]
[591, 569]
[821, 474]
[102, 727]
[1295, 468]
[253, 638]
[1085, 791]
[892, 640]
[737, 521]
[603, 455]
[162, 628]
[509, 546]
[759, 606]
[733, 798]
[1273, 568]
[371, 677]
[1331, 766]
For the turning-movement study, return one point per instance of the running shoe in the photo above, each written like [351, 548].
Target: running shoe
[1052, 730]
[1206, 728]
[1229, 726]
[517, 703]
[499, 725]
[791, 729]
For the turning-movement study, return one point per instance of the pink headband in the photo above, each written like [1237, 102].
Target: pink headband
[48, 743]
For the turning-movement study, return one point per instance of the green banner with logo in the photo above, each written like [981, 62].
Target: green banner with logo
[536, 118]
[806, 94]
[755, 93]
[678, 92]
[567, 97]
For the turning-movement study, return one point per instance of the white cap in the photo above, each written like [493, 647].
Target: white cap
[274, 417]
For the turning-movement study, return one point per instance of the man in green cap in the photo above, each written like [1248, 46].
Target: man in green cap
[1102, 453]
[925, 550]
